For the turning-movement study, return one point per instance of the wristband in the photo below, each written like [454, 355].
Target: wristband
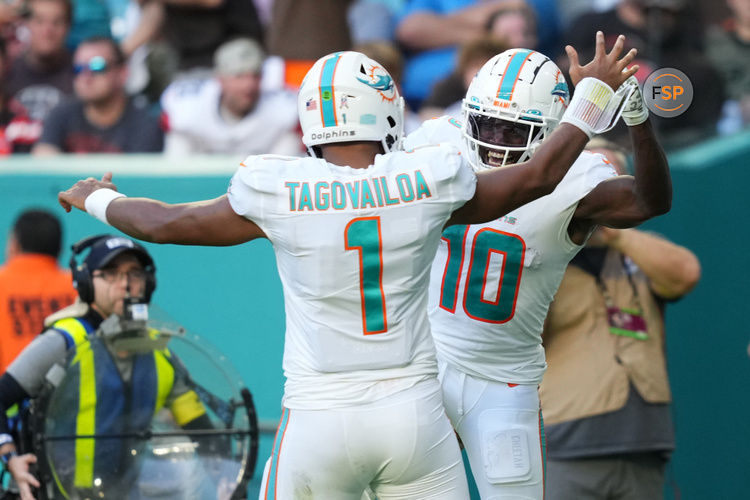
[97, 202]
[589, 105]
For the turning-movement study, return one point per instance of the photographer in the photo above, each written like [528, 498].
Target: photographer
[116, 392]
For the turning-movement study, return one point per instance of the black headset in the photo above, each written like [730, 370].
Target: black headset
[82, 279]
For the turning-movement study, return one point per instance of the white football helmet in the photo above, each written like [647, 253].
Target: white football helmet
[513, 103]
[346, 96]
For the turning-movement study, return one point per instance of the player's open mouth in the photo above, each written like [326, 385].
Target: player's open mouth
[495, 158]
[499, 158]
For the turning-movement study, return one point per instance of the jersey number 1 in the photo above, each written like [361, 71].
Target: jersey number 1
[363, 235]
[489, 245]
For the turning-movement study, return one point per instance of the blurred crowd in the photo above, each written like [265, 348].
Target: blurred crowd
[220, 76]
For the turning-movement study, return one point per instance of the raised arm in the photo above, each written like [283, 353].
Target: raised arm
[626, 201]
[209, 222]
[672, 270]
[502, 190]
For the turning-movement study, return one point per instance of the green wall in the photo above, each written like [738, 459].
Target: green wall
[707, 331]
[232, 296]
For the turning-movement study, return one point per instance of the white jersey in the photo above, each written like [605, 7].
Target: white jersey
[354, 249]
[191, 108]
[491, 284]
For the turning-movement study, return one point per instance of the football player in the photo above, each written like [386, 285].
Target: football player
[492, 283]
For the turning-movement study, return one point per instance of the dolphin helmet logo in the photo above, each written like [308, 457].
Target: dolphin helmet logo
[381, 82]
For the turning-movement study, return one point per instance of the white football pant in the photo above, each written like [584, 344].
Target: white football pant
[400, 447]
[502, 433]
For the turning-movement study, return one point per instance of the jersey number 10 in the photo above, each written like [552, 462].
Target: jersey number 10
[487, 243]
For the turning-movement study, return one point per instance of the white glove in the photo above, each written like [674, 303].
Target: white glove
[635, 111]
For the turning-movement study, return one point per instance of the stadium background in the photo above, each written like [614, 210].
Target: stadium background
[232, 296]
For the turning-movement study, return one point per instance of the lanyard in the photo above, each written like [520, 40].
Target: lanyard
[592, 261]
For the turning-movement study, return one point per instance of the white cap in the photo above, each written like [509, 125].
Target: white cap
[241, 55]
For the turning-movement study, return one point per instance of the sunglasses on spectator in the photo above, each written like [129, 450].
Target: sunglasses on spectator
[96, 64]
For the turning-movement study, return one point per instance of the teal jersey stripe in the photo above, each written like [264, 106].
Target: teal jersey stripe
[327, 100]
[270, 492]
[511, 74]
[364, 235]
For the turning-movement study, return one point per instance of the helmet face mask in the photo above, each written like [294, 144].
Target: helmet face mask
[514, 102]
[501, 142]
[345, 97]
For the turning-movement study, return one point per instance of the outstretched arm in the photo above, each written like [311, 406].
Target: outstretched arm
[210, 222]
[502, 190]
[626, 201]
